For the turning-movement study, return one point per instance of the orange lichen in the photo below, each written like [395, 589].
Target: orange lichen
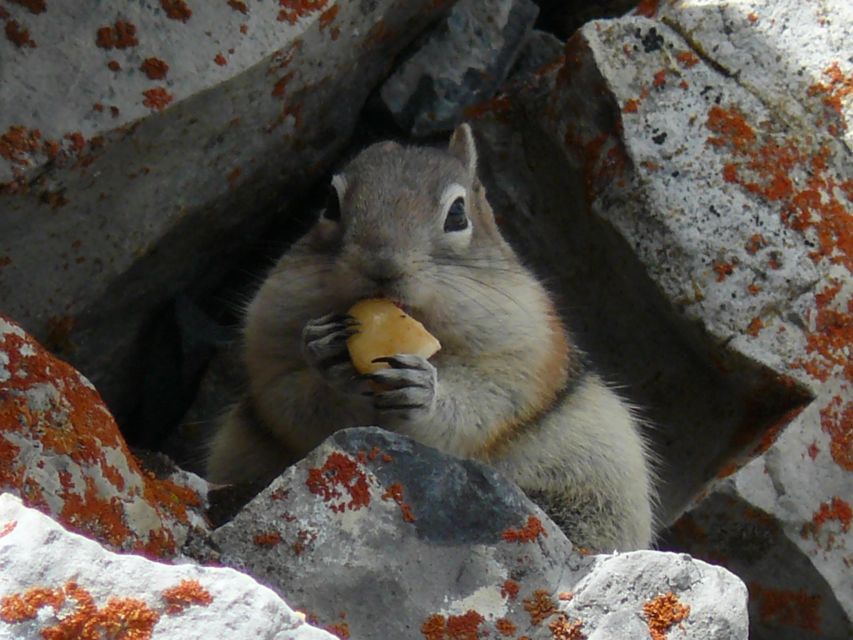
[328, 16]
[176, 9]
[565, 596]
[562, 629]
[154, 68]
[687, 59]
[114, 65]
[18, 35]
[395, 493]
[755, 326]
[786, 608]
[292, 10]
[833, 92]
[34, 6]
[118, 619]
[281, 85]
[813, 450]
[505, 627]
[528, 533]
[238, 5]
[833, 332]
[631, 106]
[339, 473]
[18, 142]
[836, 420]
[833, 510]
[730, 127]
[756, 241]
[434, 627]
[662, 612]
[268, 540]
[752, 17]
[660, 78]
[510, 589]
[24, 606]
[462, 627]
[722, 269]
[120, 36]
[339, 630]
[8, 528]
[386, 458]
[184, 595]
[220, 60]
[539, 606]
[647, 8]
[157, 98]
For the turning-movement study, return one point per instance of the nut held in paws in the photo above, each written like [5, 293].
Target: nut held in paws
[386, 330]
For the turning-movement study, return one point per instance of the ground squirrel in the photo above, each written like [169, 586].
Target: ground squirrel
[508, 387]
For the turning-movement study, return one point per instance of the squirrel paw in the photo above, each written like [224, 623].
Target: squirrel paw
[408, 387]
[324, 346]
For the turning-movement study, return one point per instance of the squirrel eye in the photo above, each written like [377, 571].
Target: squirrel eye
[333, 205]
[456, 219]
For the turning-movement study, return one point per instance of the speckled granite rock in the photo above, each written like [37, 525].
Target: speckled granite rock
[715, 164]
[462, 62]
[140, 139]
[61, 452]
[393, 539]
[56, 584]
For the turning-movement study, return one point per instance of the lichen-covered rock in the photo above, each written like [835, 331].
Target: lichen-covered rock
[56, 584]
[460, 63]
[714, 161]
[140, 140]
[377, 536]
[62, 452]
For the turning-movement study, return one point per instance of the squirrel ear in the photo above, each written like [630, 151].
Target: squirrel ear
[462, 146]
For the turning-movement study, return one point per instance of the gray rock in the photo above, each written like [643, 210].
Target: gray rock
[462, 62]
[62, 452]
[54, 583]
[694, 216]
[117, 187]
[395, 539]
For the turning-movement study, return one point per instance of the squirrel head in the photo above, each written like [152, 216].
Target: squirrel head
[398, 219]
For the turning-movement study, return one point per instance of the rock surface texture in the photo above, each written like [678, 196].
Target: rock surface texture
[460, 63]
[56, 584]
[61, 452]
[715, 162]
[376, 536]
[139, 139]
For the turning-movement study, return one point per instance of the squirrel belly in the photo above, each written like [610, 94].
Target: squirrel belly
[507, 388]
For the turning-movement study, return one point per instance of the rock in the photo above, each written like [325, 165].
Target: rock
[707, 254]
[61, 452]
[129, 159]
[460, 63]
[54, 583]
[421, 543]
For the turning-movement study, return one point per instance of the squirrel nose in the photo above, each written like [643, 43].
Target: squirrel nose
[384, 271]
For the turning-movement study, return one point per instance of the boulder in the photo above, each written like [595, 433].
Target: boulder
[460, 63]
[377, 535]
[683, 177]
[141, 144]
[62, 452]
[57, 584]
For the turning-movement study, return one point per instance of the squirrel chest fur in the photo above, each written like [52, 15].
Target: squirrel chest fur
[507, 388]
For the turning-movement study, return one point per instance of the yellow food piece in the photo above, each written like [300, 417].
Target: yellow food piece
[386, 330]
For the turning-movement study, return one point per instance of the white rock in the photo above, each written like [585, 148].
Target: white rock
[38, 554]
